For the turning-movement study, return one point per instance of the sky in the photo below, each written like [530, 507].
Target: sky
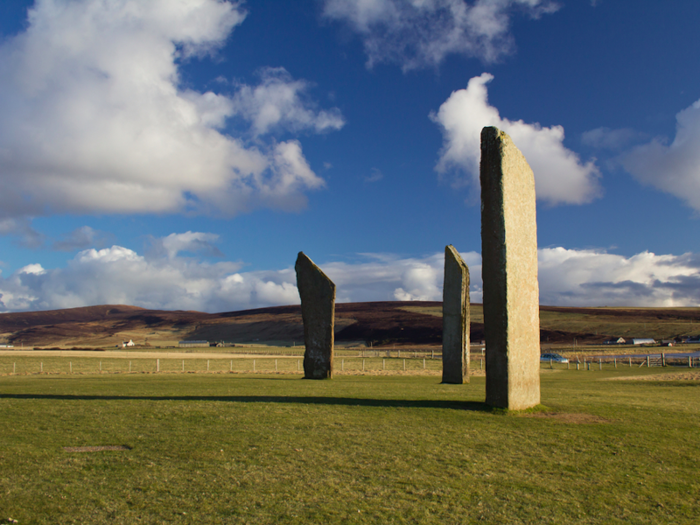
[178, 154]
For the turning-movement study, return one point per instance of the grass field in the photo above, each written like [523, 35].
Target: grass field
[223, 448]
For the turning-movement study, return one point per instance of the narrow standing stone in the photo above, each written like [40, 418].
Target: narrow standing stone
[509, 272]
[317, 294]
[455, 319]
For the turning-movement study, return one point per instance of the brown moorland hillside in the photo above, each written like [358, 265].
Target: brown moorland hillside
[381, 323]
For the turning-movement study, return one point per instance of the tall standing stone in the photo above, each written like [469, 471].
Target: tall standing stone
[317, 294]
[509, 272]
[455, 319]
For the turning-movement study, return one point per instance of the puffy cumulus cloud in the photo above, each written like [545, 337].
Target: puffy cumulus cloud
[167, 280]
[385, 277]
[560, 177]
[673, 168]
[278, 103]
[118, 275]
[594, 278]
[419, 33]
[95, 118]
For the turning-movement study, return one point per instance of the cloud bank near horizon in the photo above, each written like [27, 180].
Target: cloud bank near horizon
[164, 278]
[416, 33]
[560, 176]
[96, 120]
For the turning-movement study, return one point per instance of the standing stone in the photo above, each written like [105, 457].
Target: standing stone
[509, 272]
[455, 319]
[317, 294]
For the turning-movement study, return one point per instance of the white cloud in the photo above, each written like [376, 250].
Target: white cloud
[560, 177]
[419, 33]
[277, 102]
[118, 275]
[673, 168]
[594, 278]
[193, 242]
[94, 118]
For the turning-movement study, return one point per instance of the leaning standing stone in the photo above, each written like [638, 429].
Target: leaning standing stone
[317, 294]
[455, 319]
[509, 272]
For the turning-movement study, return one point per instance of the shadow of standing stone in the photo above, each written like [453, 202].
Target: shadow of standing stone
[317, 294]
[509, 272]
[455, 319]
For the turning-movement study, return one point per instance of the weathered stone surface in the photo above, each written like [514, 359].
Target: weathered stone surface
[509, 272]
[455, 319]
[317, 294]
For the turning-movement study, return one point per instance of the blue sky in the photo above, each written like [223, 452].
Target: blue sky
[179, 153]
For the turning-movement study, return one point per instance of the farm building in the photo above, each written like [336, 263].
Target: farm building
[641, 341]
[130, 342]
[192, 344]
[630, 341]
[615, 341]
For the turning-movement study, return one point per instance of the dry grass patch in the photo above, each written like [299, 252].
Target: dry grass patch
[96, 449]
[572, 418]
[680, 376]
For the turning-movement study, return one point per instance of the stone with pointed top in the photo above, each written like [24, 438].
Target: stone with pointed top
[317, 294]
[455, 319]
[509, 273]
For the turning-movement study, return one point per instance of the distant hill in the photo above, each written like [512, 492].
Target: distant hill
[382, 323]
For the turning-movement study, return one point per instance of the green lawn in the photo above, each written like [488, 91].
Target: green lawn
[229, 448]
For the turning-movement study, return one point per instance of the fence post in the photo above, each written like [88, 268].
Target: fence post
[157, 365]
[424, 363]
[404, 365]
[383, 364]
[297, 365]
[577, 363]
[615, 361]
[41, 366]
[363, 365]
[183, 365]
[647, 361]
[129, 366]
[550, 363]
[432, 353]
[690, 362]
[342, 364]
[207, 365]
[275, 365]
[253, 365]
[14, 367]
[630, 361]
[663, 359]
[600, 364]
[230, 367]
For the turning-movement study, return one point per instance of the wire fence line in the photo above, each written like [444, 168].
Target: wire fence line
[295, 365]
[67, 365]
[606, 363]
